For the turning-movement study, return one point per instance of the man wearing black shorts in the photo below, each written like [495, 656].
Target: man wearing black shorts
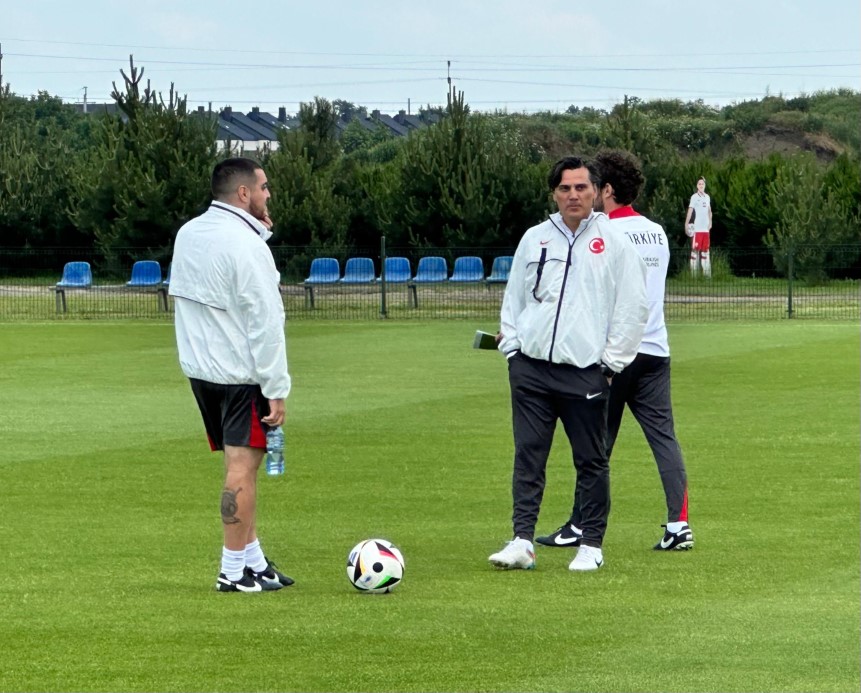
[230, 336]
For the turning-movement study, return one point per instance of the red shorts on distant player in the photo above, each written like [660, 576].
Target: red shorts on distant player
[701, 241]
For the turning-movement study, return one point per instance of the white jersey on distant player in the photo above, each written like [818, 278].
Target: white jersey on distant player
[651, 243]
[702, 205]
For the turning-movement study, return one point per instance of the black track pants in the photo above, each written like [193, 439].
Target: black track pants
[541, 394]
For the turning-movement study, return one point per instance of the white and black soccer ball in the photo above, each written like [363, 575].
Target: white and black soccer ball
[375, 566]
[690, 230]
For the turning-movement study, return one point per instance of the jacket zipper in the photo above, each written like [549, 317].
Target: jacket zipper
[561, 296]
[564, 281]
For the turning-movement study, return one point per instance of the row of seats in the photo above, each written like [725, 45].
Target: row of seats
[326, 270]
[79, 275]
[360, 270]
[146, 274]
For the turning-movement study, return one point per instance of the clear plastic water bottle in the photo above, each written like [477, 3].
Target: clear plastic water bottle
[275, 452]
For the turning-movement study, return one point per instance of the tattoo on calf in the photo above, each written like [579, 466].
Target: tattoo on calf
[229, 506]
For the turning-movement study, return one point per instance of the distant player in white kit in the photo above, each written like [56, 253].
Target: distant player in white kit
[699, 230]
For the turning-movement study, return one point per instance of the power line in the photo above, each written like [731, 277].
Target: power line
[396, 68]
[556, 56]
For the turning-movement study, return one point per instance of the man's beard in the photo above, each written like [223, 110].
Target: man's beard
[258, 212]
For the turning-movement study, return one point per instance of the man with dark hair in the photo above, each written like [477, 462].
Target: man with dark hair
[645, 384]
[698, 226]
[230, 336]
[572, 316]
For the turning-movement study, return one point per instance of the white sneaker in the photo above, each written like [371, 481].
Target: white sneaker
[518, 553]
[587, 558]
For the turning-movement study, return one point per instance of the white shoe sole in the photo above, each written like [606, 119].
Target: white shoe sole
[584, 569]
[502, 565]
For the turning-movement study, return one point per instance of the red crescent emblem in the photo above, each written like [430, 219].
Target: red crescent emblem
[596, 245]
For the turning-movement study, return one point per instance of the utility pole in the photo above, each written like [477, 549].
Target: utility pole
[85, 99]
[448, 97]
[1, 67]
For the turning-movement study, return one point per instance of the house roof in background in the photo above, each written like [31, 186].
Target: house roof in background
[263, 131]
[257, 125]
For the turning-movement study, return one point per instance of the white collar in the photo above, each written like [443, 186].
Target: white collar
[582, 226]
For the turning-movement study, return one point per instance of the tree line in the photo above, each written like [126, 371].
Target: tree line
[471, 180]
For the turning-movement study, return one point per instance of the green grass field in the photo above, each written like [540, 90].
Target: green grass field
[111, 530]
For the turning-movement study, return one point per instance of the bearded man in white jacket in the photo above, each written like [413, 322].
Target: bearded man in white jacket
[573, 315]
[230, 337]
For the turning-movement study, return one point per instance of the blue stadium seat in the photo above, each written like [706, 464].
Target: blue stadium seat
[324, 270]
[167, 278]
[358, 270]
[398, 270]
[467, 269]
[431, 269]
[500, 270]
[76, 275]
[145, 273]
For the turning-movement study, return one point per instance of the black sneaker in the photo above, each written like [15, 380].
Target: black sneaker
[247, 583]
[566, 536]
[676, 541]
[271, 578]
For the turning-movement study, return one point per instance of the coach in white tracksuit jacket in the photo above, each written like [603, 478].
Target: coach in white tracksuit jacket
[573, 314]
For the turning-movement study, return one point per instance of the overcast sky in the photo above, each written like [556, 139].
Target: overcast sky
[516, 55]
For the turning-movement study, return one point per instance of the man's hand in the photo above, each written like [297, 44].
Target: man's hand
[499, 337]
[276, 413]
[266, 220]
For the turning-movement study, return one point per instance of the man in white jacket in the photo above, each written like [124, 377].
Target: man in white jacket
[573, 315]
[230, 336]
[644, 386]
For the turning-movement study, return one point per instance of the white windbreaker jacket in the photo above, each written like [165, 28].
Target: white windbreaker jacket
[578, 302]
[650, 242]
[229, 314]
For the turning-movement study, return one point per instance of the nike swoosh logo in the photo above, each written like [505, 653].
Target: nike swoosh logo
[241, 588]
[560, 541]
[543, 242]
[592, 396]
[666, 544]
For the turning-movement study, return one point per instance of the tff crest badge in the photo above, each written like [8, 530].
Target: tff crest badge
[596, 245]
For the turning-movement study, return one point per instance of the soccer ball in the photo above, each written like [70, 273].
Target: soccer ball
[375, 566]
[690, 231]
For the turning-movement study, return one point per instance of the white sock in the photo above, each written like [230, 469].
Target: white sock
[232, 563]
[676, 527]
[693, 265]
[254, 557]
[707, 267]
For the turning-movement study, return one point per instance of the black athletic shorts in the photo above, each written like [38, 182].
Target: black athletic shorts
[232, 414]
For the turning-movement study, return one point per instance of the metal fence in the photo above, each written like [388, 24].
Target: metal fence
[746, 284]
